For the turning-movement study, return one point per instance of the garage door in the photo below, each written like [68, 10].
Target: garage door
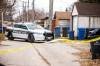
[63, 23]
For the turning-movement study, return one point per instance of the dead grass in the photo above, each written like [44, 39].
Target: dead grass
[85, 55]
[85, 59]
[1, 37]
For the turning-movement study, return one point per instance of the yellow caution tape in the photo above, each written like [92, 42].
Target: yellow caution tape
[8, 51]
[81, 41]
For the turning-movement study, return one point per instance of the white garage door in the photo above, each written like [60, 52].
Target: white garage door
[63, 23]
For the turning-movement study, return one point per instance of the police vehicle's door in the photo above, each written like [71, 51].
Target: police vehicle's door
[20, 31]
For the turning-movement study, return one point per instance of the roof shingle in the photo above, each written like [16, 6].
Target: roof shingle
[88, 9]
[62, 15]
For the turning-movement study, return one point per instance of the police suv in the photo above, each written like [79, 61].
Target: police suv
[29, 31]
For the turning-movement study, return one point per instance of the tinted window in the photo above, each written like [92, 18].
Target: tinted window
[20, 26]
[23, 27]
[17, 26]
[34, 26]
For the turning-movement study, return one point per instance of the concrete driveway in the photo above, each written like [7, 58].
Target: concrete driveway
[53, 53]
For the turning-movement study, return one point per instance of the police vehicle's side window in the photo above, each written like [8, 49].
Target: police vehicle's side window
[17, 26]
[20, 26]
[23, 27]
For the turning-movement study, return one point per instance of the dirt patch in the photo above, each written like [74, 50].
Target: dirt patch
[85, 55]
[2, 65]
[85, 59]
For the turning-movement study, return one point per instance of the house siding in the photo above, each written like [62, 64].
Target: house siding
[88, 22]
[83, 22]
[63, 23]
[95, 22]
[84, 19]
[74, 11]
[75, 23]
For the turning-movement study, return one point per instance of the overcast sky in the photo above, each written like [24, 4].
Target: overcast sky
[59, 5]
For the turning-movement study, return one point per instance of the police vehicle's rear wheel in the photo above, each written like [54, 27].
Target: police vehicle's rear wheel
[10, 36]
[31, 38]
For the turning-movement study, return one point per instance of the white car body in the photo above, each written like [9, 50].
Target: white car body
[37, 31]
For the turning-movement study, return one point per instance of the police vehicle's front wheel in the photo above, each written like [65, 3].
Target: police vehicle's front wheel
[31, 38]
[10, 36]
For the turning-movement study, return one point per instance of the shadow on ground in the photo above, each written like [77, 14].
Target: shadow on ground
[21, 40]
[2, 65]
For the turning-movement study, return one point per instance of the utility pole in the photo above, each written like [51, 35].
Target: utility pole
[23, 12]
[50, 13]
[28, 11]
[33, 3]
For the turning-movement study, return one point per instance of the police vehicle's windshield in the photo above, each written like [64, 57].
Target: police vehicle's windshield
[34, 26]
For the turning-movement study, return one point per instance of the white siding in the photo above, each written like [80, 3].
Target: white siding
[74, 11]
[63, 23]
[98, 24]
[83, 22]
[75, 22]
[95, 22]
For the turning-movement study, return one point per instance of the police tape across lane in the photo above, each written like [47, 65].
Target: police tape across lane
[9, 51]
[80, 41]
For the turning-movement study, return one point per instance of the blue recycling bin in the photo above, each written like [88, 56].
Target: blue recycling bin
[71, 35]
[57, 32]
[81, 33]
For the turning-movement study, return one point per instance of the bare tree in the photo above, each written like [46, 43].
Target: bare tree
[6, 7]
[38, 14]
[6, 4]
